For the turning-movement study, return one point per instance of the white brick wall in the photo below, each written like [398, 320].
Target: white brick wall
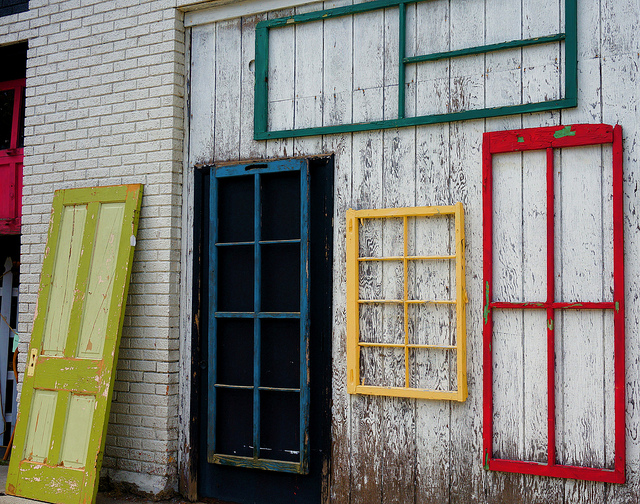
[105, 84]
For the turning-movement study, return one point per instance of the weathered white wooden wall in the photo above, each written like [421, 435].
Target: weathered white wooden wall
[344, 70]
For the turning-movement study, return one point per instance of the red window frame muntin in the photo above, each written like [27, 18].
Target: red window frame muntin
[12, 158]
[550, 138]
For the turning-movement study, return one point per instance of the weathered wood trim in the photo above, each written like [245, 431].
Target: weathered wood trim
[187, 474]
[234, 9]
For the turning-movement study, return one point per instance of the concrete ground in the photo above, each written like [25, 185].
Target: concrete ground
[103, 498]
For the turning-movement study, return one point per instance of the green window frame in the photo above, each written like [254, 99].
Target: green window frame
[570, 71]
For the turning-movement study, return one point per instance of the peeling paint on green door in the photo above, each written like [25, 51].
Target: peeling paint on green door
[66, 395]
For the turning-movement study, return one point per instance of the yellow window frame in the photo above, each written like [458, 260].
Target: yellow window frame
[354, 342]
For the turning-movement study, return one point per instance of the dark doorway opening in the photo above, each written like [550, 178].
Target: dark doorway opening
[233, 469]
[9, 281]
[12, 107]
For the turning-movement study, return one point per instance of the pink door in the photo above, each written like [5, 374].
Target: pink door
[11, 154]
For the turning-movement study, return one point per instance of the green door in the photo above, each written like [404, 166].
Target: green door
[67, 389]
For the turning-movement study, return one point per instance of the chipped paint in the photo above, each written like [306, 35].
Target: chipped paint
[486, 303]
[564, 132]
[521, 139]
[550, 324]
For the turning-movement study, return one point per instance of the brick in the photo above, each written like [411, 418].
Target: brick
[105, 88]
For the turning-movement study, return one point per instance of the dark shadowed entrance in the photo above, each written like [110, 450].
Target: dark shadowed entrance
[265, 349]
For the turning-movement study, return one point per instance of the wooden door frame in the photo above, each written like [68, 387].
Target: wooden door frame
[189, 452]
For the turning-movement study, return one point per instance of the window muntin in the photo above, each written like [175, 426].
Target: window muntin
[259, 315]
[406, 302]
[544, 306]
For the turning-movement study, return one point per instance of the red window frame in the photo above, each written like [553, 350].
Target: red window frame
[11, 160]
[550, 138]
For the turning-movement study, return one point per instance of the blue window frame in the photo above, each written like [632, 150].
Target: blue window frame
[259, 316]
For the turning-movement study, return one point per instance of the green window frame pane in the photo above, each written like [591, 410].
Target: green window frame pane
[570, 71]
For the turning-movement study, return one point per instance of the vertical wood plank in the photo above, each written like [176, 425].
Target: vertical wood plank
[467, 480]
[366, 416]
[507, 347]
[367, 411]
[619, 21]
[227, 90]
[391, 40]
[281, 74]
[410, 71]
[341, 412]
[399, 185]
[368, 66]
[337, 96]
[534, 190]
[466, 90]
[187, 474]
[431, 92]
[508, 325]
[249, 148]
[308, 101]
[282, 44]
[433, 443]
[503, 69]
[337, 69]
[466, 74]
[615, 70]
[541, 79]
[202, 102]
[589, 109]
[432, 85]
[580, 334]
